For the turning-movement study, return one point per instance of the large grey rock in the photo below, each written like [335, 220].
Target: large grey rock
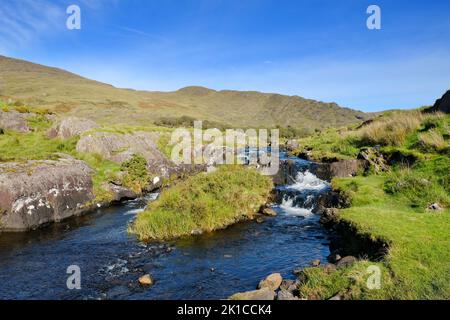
[261, 294]
[121, 147]
[442, 104]
[39, 192]
[119, 193]
[13, 120]
[71, 127]
[340, 169]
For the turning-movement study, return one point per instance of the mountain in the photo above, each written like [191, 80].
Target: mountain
[65, 92]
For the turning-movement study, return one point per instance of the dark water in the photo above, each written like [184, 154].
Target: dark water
[213, 266]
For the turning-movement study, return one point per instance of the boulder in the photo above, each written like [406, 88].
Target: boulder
[121, 147]
[340, 169]
[13, 120]
[39, 192]
[272, 282]
[345, 262]
[71, 127]
[119, 193]
[260, 294]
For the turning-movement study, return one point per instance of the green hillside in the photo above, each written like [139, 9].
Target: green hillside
[67, 93]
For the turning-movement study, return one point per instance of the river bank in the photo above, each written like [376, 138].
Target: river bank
[396, 204]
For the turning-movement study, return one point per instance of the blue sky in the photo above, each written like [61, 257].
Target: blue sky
[318, 49]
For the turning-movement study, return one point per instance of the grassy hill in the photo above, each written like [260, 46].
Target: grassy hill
[394, 206]
[65, 92]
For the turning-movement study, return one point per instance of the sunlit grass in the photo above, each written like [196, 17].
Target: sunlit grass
[204, 202]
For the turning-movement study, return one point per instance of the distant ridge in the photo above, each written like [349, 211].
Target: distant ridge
[66, 92]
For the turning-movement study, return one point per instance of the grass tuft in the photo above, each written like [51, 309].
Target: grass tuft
[204, 202]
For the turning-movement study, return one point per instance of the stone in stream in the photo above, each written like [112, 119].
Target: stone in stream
[286, 295]
[146, 280]
[268, 212]
[334, 257]
[347, 261]
[260, 294]
[289, 285]
[272, 282]
[315, 263]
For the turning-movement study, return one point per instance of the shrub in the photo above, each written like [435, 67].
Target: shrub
[22, 108]
[2, 131]
[137, 176]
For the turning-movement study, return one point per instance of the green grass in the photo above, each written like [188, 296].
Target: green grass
[404, 131]
[32, 146]
[164, 145]
[330, 144]
[105, 171]
[204, 202]
[418, 258]
[393, 207]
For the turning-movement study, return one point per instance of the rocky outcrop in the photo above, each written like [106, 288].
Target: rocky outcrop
[442, 104]
[39, 192]
[13, 120]
[374, 158]
[121, 147]
[340, 169]
[71, 127]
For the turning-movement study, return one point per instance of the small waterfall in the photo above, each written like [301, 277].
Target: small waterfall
[300, 198]
[308, 181]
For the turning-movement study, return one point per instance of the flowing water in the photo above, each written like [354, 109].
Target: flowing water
[213, 266]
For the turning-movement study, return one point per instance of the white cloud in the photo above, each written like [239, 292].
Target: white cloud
[26, 21]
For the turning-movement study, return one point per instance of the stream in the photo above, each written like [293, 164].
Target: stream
[33, 265]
